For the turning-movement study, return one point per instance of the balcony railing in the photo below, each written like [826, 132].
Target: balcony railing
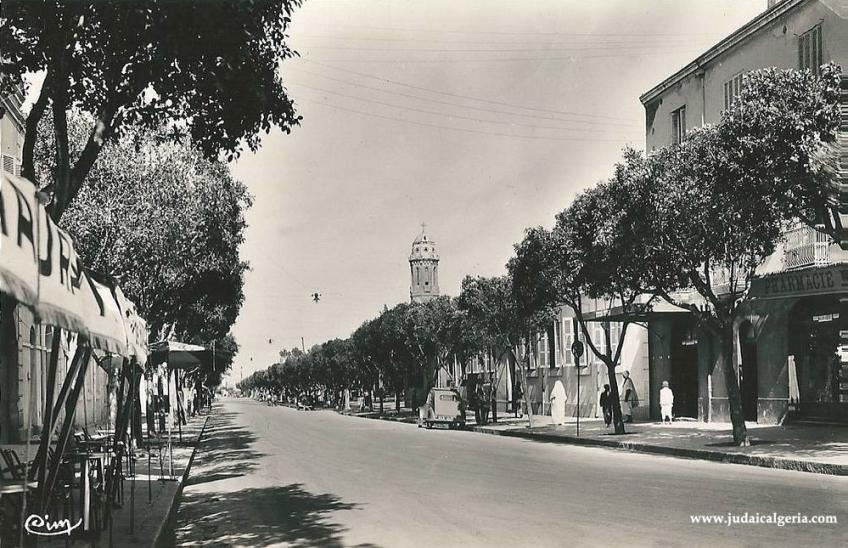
[806, 246]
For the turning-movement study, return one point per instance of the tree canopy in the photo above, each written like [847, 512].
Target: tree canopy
[208, 69]
[166, 223]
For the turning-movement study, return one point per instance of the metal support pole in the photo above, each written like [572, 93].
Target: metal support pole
[81, 358]
[49, 418]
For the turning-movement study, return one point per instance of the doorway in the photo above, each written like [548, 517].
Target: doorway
[748, 370]
[684, 369]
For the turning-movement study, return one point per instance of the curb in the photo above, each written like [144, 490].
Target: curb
[778, 463]
[162, 533]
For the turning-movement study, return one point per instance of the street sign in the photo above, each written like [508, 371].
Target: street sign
[577, 349]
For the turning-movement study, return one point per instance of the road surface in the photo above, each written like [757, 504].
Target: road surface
[268, 476]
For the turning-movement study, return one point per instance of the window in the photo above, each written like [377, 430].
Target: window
[542, 349]
[568, 340]
[599, 338]
[8, 164]
[731, 90]
[678, 125]
[556, 357]
[810, 50]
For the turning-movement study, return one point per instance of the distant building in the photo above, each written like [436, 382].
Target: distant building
[423, 269]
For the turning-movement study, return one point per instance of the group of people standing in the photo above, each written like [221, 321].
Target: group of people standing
[629, 400]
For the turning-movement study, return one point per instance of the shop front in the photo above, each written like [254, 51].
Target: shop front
[794, 342]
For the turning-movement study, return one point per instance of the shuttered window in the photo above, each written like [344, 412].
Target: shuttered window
[731, 90]
[810, 50]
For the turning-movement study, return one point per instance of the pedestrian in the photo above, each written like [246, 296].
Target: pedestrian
[517, 395]
[558, 401]
[666, 402]
[606, 405]
[631, 400]
[484, 397]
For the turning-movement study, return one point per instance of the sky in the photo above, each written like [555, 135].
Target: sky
[478, 118]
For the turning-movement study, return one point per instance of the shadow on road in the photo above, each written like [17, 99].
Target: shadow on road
[261, 517]
[225, 451]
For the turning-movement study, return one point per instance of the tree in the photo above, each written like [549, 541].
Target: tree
[429, 340]
[365, 354]
[392, 351]
[206, 69]
[164, 221]
[498, 321]
[722, 198]
[595, 251]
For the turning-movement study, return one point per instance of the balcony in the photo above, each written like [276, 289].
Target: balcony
[805, 246]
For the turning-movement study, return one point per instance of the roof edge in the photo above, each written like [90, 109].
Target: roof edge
[748, 29]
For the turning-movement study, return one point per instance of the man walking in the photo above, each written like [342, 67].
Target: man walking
[606, 405]
[666, 402]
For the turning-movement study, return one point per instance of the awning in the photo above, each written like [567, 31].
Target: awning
[49, 276]
[179, 355]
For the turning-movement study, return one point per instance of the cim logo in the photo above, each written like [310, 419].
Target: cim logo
[43, 527]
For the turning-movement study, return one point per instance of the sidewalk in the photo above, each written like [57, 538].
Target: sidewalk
[148, 501]
[809, 448]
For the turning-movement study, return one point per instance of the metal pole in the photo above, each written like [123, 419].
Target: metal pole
[575, 327]
[578, 397]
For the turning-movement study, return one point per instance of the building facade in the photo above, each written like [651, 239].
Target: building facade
[791, 341]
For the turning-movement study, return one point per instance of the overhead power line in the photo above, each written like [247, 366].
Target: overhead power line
[467, 97]
[442, 114]
[531, 33]
[625, 47]
[513, 59]
[500, 42]
[464, 130]
[496, 111]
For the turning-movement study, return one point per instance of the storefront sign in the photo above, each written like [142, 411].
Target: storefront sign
[817, 281]
[18, 256]
[40, 268]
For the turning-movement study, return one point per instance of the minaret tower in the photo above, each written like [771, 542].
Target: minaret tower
[423, 269]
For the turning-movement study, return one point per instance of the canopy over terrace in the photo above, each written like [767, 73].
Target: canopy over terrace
[40, 269]
[180, 355]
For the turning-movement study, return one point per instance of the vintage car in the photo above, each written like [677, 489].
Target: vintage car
[444, 406]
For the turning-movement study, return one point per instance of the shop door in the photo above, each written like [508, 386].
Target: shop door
[684, 381]
[748, 380]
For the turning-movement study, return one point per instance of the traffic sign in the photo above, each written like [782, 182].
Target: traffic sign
[577, 349]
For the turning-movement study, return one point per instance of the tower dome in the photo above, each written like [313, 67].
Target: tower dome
[423, 268]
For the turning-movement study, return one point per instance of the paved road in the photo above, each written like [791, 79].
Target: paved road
[275, 476]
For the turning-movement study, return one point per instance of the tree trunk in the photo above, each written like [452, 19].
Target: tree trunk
[731, 381]
[494, 387]
[617, 419]
[524, 386]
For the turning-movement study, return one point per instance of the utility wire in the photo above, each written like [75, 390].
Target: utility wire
[445, 115]
[481, 109]
[687, 51]
[464, 130]
[625, 47]
[617, 41]
[467, 97]
[532, 33]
